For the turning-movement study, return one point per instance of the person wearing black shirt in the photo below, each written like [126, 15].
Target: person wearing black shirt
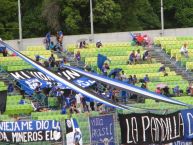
[38, 89]
[52, 60]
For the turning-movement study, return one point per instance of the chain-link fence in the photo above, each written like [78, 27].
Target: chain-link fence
[83, 122]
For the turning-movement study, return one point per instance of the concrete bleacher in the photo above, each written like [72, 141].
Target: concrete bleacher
[118, 59]
[172, 46]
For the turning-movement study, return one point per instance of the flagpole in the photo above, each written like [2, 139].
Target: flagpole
[162, 19]
[91, 22]
[20, 26]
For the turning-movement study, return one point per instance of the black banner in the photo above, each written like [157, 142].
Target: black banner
[3, 100]
[145, 129]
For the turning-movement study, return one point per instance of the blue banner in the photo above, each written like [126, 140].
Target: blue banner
[102, 130]
[187, 116]
[182, 143]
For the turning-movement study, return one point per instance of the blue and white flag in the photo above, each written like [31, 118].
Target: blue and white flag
[73, 132]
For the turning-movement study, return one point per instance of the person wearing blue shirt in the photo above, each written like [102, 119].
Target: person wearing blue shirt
[51, 46]
[63, 111]
[48, 39]
[146, 78]
[132, 57]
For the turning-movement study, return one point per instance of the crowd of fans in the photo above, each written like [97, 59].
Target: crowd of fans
[58, 46]
[73, 102]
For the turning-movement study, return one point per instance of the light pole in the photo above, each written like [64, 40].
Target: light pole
[20, 27]
[91, 22]
[162, 19]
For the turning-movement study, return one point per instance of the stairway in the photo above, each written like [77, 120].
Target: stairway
[160, 56]
[5, 77]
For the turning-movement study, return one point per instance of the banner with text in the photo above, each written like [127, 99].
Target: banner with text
[143, 129]
[182, 143]
[30, 131]
[187, 116]
[28, 79]
[102, 130]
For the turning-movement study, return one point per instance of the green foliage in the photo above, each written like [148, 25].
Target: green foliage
[8, 19]
[73, 16]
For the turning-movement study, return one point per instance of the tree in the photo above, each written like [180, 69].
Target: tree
[51, 13]
[8, 19]
[107, 15]
[146, 17]
[32, 22]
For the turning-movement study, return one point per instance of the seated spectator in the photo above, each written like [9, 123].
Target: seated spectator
[132, 57]
[138, 56]
[99, 44]
[163, 69]
[118, 76]
[130, 79]
[158, 90]
[105, 68]
[177, 91]
[78, 56]
[146, 56]
[123, 77]
[38, 88]
[82, 44]
[46, 64]
[51, 47]
[184, 50]
[146, 79]
[144, 85]
[52, 60]
[38, 59]
[134, 79]
[166, 91]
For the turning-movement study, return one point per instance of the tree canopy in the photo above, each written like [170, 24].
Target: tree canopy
[73, 16]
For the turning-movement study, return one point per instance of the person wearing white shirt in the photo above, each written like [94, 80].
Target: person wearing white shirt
[78, 101]
[184, 50]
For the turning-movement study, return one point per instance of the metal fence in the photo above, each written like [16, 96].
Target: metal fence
[85, 129]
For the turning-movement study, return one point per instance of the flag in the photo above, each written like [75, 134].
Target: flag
[100, 60]
[73, 132]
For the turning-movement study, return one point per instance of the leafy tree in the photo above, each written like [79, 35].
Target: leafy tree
[8, 19]
[107, 15]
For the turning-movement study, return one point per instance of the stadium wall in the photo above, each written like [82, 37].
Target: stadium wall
[104, 37]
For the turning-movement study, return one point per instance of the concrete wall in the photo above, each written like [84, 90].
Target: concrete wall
[104, 37]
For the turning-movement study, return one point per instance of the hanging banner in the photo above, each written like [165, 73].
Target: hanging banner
[28, 79]
[143, 129]
[125, 86]
[182, 143]
[30, 131]
[187, 116]
[73, 132]
[102, 130]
